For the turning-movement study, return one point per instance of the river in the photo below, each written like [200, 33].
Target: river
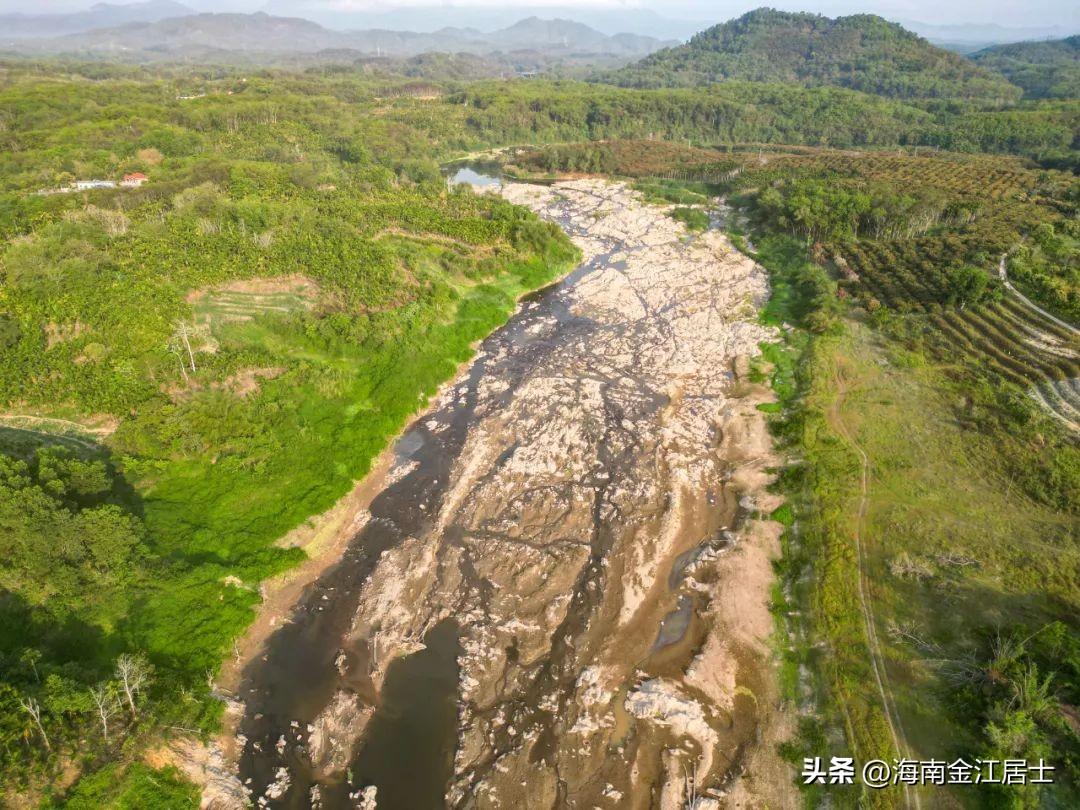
[559, 596]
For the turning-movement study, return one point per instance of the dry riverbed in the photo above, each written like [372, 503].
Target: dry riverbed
[559, 595]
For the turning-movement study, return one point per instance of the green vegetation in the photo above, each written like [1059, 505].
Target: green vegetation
[632, 158]
[191, 369]
[1043, 69]
[908, 230]
[971, 502]
[1045, 266]
[133, 788]
[861, 52]
[932, 247]
[660, 191]
[735, 113]
[252, 326]
[942, 524]
[693, 218]
[448, 119]
[818, 572]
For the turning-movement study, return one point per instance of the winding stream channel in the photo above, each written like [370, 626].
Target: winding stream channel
[559, 596]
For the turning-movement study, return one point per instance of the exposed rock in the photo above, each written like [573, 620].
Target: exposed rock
[207, 766]
[598, 448]
[333, 733]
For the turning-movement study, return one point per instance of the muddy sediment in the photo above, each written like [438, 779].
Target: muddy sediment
[559, 596]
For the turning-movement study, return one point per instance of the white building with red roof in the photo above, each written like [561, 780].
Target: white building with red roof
[134, 180]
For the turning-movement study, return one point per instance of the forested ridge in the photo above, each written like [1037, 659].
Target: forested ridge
[860, 52]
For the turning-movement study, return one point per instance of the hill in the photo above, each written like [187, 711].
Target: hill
[1042, 69]
[534, 32]
[236, 32]
[860, 52]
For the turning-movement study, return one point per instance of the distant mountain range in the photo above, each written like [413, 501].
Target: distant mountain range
[217, 36]
[861, 52]
[961, 38]
[610, 20]
[101, 15]
[966, 39]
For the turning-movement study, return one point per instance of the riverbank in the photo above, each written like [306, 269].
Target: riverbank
[323, 539]
[564, 561]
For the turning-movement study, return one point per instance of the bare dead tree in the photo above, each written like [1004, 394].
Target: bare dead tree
[182, 334]
[177, 350]
[30, 657]
[133, 672]
[690, 785]
[107, 705]
[905, 566]
[33, 708]
[989, 668]
[905, 633]
[956, 559]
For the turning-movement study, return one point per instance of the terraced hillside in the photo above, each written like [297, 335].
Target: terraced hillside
[1023, 345]
[934, 237]
[993, 176]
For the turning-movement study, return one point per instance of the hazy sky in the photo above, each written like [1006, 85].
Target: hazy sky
[1005, 12]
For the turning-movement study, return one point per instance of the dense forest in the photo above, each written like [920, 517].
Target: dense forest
[861, 52]
[735, 113]
[1043, 69]
[451, 117]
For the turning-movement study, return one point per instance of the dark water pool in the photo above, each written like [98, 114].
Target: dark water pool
[415, 726]
[475, 174]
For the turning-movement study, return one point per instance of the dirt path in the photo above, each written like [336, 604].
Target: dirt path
[835, 417]
[63, 429]
[1028, 302]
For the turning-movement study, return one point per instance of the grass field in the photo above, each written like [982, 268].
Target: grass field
[958, 553]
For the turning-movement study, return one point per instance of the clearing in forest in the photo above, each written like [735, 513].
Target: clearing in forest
[244, 300]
